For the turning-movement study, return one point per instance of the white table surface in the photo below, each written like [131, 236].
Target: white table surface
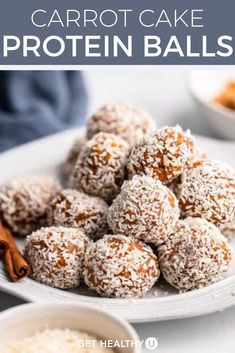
[163, 92]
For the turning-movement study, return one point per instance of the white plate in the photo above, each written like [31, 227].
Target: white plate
[45, 157]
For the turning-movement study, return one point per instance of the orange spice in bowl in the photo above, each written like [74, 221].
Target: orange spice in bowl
[227, 96]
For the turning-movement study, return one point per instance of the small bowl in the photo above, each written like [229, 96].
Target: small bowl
[204, 86]
[25, 320]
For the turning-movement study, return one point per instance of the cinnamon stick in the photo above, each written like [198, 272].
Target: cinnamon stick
[16, 265]
[3, 242]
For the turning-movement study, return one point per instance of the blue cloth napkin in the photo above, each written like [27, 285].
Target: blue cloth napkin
[38, 103]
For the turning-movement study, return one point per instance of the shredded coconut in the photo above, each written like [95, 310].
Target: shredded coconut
[145, 209]
[56, 256]
[228, 230]
[195, 255]
[162, 155]
[100, 168]
[72, 157]
[58, 340]
[75, 209]
[128, 121]
[24, 202]
[208, 190]
[119, 266]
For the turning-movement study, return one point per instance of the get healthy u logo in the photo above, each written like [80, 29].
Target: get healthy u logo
[151, 343]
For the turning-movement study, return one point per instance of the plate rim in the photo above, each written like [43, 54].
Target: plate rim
[214, 298]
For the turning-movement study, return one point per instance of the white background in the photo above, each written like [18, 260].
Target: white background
[163, 91]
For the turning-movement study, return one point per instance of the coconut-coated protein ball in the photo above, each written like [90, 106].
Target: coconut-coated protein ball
[75, 209]
[195, 255]
[72, 157]
[100, 168]
[119, 266]
[175, 185]
[24, 202]
[162, 155]
[208, 190]
[228, 230]
[56, 256]
[128, 121]
[145, 209]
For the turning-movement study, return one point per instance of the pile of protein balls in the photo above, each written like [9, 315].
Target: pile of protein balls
[140, 201]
